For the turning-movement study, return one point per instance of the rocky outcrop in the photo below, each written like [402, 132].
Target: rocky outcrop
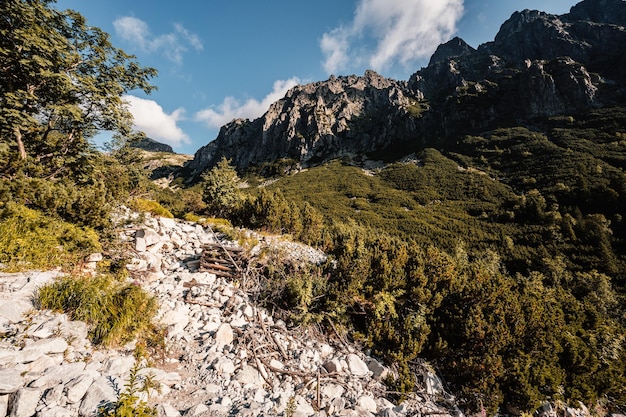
[152, 145]
[539, 65]
[600, 11]
[318, 121]
[225, 355]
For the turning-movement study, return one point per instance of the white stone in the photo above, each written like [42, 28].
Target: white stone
[57, 374]
[137, 265]
[168, 411]
[42, 363]
[8, 358]
[149, 236]
[197, 410]
[159, 375]
[274, 363]
[153, 261]
[239, 322]
[224, 365]
[332, 391]
[177, 318]
[167, 223]
[53, 395]
[24, 402]
[101, 392]
[356, 365]
[94, 257]
[56, 411]
[368, 403]
[10, 380]
[248, 376]
[326, 350]
[4, 405]
[224, 335]
[303, 408]
[212, 389]
[46, 346]
[118, 366]
[140, 244]
[77, 387]
[211, 326]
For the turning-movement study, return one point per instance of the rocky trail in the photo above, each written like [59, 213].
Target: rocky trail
[225, 355]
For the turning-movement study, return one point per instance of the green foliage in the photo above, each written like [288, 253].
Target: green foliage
[294, 288]
[149, 206]
[31, 240]
[118, 312]
[129, 403]
[221, 189]
[63, 81]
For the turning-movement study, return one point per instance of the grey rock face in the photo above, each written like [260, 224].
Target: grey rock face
[317, 121]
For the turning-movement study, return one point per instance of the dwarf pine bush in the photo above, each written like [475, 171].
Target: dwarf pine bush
[31, 240]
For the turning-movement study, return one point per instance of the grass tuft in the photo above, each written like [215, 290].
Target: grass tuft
[118, 312]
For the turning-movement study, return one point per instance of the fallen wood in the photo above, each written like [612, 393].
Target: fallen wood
[217, 266]
[217, 273]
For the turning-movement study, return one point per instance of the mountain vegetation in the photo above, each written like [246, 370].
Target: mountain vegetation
[473, 214]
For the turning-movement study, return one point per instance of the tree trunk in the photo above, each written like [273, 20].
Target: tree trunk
[20, 144]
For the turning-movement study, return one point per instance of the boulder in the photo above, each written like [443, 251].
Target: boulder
[100, 393]
[23, 403]
[77, 387]
[378, 371]
[167, 410]
[57, 374]
[149, 236]
[4, 405]
[368, 403]
[224, 335]
[56, 411]
[356, 365]
[118, 366]
[10, 380]
[47, 346]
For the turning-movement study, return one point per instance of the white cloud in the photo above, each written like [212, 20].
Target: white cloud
[173, 45]
[150, 118]
[231, 108]
[400, 30]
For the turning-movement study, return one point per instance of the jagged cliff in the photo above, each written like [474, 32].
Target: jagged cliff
[319, 120]
[539, 65]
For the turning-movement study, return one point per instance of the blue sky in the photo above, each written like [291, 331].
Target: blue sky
[221, 59]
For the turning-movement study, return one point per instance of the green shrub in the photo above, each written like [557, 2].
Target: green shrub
[150, 206]
[31, 240]
[118, 312]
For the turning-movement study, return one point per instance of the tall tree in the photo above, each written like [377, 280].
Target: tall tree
[61, 81]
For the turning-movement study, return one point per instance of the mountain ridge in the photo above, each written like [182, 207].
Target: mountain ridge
[538, 65]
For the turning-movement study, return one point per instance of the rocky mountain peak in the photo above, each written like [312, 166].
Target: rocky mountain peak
[601, 11]
[454, 47]
[317, 121]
